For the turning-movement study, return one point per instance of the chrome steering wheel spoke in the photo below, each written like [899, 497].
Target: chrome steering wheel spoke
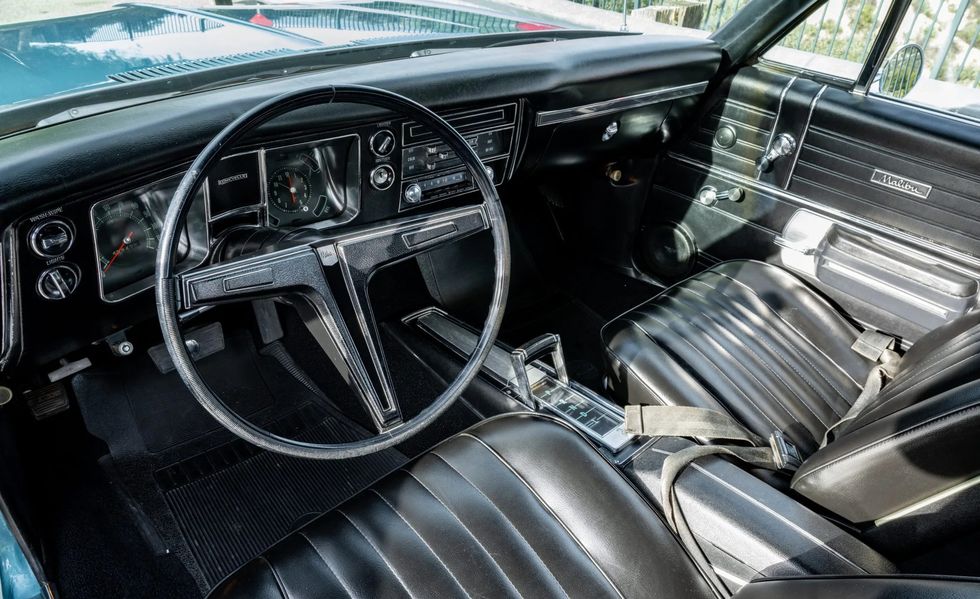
[342, 323]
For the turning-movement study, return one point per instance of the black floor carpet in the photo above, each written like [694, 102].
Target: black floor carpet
[197, 492]
[234, 501]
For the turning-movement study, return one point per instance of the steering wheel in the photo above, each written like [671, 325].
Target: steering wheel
[329, 275]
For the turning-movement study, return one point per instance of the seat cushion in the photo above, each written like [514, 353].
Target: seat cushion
[745, 337]
[521, 506]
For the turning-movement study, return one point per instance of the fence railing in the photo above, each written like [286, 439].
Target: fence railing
[946, 30]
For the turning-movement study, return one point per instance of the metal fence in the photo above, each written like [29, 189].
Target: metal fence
[947, 30]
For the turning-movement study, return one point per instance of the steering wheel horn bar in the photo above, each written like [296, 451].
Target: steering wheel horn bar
[350, 259]
[329, 277]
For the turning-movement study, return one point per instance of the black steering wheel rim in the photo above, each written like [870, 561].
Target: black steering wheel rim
[167, 284]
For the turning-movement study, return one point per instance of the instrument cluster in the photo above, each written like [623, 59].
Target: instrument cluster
[126, 229]
[372, 172]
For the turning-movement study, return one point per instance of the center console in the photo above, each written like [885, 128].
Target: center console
[747, 528]
[522, 374]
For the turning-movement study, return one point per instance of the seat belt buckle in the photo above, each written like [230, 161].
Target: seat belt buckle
[785, 455]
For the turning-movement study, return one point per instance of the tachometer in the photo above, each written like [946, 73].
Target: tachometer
[289, 190]
[126, 238]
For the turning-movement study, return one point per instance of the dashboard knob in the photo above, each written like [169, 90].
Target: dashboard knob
[58, 282]
[413, 193]
[382, 142]
[51, 238]
[382, 177]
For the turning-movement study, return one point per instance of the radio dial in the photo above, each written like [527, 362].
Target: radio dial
[413, 193]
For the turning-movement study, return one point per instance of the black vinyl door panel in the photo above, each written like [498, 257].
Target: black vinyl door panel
[846, 143]
[877, 203]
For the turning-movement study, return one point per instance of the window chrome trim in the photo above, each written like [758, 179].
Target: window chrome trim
[806, 128]
[775, 122]
[588, 111]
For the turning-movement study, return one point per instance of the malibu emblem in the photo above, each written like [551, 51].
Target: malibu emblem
[908, 186]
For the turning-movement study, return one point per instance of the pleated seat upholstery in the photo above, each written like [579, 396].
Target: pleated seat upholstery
[744, 337]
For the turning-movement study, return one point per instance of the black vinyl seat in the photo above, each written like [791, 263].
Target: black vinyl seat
[746, 338]
[521, 506]
[751, 339]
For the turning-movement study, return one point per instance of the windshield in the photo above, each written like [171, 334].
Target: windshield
[54, 47]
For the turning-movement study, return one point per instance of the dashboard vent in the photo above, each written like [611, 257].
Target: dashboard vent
[188, 66]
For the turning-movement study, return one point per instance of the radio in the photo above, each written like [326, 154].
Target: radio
[432, 171]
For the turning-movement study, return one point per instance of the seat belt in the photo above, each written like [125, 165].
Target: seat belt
[776, 454]
[879, 348]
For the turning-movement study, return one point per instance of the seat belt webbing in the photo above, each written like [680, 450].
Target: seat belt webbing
[687, 421]
[874, 346]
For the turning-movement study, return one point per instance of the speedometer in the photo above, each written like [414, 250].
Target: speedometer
[126, 239]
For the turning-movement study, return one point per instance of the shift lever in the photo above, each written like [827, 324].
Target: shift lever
[539, 347]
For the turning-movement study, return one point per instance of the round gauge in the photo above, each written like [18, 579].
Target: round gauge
[126, 239]
[289, 190]
[382, 142]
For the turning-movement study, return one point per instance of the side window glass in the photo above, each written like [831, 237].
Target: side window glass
[835, 40]
[934, 60]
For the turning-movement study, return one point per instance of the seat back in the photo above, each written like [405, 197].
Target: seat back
[945, 358]
[917, 442]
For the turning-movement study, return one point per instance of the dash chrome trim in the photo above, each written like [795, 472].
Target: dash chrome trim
[588, 111]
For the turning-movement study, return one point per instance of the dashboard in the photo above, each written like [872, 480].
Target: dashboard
[84, 200]
[102, 250]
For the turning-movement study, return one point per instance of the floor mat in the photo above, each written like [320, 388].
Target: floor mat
[201, 494]
[236, 500]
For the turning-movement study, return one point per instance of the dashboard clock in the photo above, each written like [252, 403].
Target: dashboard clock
[289, 190]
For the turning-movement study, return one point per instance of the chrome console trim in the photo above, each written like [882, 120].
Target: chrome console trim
[588, 111]
[501, 368]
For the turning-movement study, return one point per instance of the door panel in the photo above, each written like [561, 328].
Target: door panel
[896, 188]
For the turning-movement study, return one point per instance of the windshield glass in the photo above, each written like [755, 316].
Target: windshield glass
[53, 47]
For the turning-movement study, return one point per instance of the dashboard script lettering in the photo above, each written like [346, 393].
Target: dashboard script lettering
[238, 177]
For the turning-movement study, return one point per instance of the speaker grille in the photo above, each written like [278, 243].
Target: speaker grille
[669, 251]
